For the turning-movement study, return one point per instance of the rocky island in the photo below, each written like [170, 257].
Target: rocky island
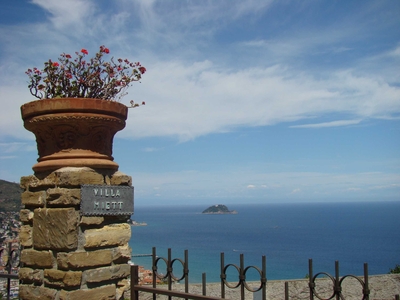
[219, 209]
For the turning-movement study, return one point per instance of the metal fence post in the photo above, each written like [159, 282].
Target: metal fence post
[264, 277]
[154, 256]
[9, 269]
[169, 271]
[311, 283]
[338, 288]
[134, 281]
[242, 277]
[286, 290]
[204, 284]
[223, 276]
[366, 290]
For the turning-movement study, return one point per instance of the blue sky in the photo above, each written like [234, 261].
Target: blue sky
[246, 101]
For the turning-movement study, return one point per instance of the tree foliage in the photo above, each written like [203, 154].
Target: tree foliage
[395, 270]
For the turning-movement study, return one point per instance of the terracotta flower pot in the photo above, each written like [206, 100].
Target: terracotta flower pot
[74, 132]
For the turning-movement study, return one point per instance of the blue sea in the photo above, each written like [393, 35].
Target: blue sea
[287, 234]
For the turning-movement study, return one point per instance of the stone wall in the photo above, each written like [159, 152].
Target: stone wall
[66, 255]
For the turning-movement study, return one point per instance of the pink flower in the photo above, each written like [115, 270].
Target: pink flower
[142, 70]
[104, 49]
[85, 77]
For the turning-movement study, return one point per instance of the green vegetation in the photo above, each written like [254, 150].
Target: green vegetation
[10, 196]
[396, 270]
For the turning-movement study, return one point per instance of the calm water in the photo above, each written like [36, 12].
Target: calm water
[287, 234]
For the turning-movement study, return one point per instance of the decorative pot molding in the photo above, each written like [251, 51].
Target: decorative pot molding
[74, 132]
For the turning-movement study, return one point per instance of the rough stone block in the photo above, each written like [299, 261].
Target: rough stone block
[121, 254]
[72, 176]
[26, 215]
[76, 260]
[73, 278]
[36, 199]
[38, 259]
[55, 228]
[25, 235]
[122, 287]
[111, 235]
[31, 292]
[25, 181]
[62, 279]
[91, 220]
[63, 197]
[54, 277]
[28, 275]
[106, 292]
[32, 182]
[119, 178]
[107, 273]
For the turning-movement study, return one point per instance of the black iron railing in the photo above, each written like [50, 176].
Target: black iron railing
[337, 281]
[335, 290]
[242, 283]
[9, 260]
[330, 291]
[169, 277]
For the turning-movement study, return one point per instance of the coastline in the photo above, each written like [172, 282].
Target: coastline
[232, 212]
[135, 223]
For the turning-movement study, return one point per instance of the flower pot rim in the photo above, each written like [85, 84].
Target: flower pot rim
[73, 105]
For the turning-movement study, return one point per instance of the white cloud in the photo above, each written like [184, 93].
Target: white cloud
[69, 14]
[395, 52]
[233, 184]
[178, 105]
[295, 191]
[354, 189]
[12, 147]
[150, 149]
[388, 186]
[251, 97]
[194, 13]
[189, 93]
[329, 124]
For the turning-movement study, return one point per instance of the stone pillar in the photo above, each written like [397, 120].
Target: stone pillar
[66, 255]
